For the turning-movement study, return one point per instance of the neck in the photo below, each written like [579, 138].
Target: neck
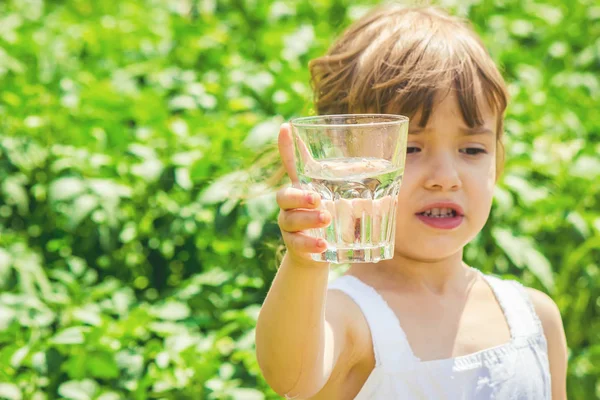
[434, 277]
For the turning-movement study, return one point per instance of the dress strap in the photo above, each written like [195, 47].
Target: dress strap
[518, 309]
[390, 345]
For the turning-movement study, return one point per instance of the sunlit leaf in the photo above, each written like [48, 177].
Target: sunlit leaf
[263, 133]
[10, 391]
[246, 394]
[66, 188]
[223, 188]
[18, 356]
[78, 390]
[172, 311]
[523, 254]
[102, 365]
[73, 335]
[16, 194]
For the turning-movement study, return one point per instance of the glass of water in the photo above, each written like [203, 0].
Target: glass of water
[356, 163]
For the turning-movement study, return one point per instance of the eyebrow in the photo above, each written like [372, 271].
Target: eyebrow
[477, 130]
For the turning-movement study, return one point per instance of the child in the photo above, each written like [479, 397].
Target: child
[423, 325]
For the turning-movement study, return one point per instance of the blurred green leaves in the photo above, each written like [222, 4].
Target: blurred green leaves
[137, 240]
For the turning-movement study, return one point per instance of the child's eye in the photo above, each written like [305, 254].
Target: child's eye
[412, 149]
[473, 151]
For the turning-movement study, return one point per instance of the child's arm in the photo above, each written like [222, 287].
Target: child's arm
[551, 320]
[298, 341]
[298, 338]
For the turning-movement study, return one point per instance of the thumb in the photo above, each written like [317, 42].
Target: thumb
[286, 152]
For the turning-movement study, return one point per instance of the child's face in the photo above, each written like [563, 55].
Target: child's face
[443, 164]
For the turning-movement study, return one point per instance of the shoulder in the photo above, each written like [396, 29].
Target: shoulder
[544, 306]
[343, 309]
[356, 359]
[358, 332]
[547, 311]
[549, 314]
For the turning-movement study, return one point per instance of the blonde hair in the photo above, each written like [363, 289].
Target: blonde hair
[401, 60]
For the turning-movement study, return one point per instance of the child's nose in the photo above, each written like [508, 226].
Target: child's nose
[443, 173]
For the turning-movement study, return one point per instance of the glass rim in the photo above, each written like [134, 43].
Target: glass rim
[308, 121]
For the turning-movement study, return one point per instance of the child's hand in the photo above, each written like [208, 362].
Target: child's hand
[299, 208]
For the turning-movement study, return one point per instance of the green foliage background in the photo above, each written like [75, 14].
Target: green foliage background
[128, 269]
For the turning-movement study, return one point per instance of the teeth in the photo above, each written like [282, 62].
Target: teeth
[439, 212]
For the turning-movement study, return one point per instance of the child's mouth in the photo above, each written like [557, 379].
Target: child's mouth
[441, 218]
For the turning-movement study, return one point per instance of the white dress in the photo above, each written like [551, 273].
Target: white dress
[517, 370]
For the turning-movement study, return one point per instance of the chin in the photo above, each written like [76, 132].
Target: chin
[434, 251]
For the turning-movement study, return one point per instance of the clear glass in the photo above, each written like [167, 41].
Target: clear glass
[356, 163]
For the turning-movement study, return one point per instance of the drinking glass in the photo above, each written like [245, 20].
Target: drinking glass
[355, 162]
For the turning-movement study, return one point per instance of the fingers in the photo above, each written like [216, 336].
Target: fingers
[300, 212]
[300, 243]
[289, 198]
[286, 152]
[301, 220]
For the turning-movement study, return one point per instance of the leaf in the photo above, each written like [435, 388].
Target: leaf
[18, 356]
[166, 328]
[82, 207]
[186, 159]
[260, 82]
[107, 189]
[246, 394]
[77, 265]
[122, 300]
[182, 102]
[587, 167]
[10, 391]
[128, 233]
[215, 384]
[142, 151]
[172, 311]
[78, 390]
[131, 362]
[5, 265]
[252, 311]
[522, 28]
[263, 134]
[223, 188]
[149, 170]
[16, 194]
[182, 177]
[109, 396]
[177, 343]
[254, 230]
[75, 366]
[523, 254]
[7, 316]
[107, 287]
[215, 277]
[102, 365]
[66, 188]
[552, 15]
[89, 314]
[262, 207]
[528, 193]
[162, 360]
[8, 63]
[579, 223]
[38, 362]
[73, 335]
[298, 43]
[226, 371]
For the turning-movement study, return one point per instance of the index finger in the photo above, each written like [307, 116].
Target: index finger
[286, 152]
